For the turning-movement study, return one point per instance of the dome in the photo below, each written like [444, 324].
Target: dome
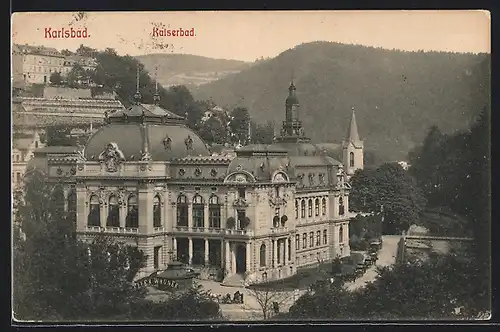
[300, 149]
[146, 127]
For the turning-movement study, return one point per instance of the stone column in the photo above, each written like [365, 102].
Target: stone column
[222, 254]
[104, 213]
[207, 248]
[233, 258]
[275, 252]
[205, 216]
[190, 248]
[174, 217]
[190, 215]
[174, 248]
[123, 215]
[286, 252]
[82, 208]
[146, 209]
[248, 252]
[227, 259]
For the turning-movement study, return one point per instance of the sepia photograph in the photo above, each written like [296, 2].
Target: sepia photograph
[250, 166]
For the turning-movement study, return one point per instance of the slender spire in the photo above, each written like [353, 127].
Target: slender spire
[156, 97]
[352, 134]
[137, 95]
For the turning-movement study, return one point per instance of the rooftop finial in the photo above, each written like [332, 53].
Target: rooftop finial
[137, 95]
[156, 97]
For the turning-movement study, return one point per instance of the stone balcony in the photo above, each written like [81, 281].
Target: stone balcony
[216, 231]
[108, 229]
[279, 230]
[119, 230]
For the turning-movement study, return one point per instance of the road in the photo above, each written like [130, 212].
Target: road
[251, 310]
[386, 257]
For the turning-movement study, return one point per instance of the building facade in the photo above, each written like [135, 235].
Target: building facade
[35, 64]
[148, 180]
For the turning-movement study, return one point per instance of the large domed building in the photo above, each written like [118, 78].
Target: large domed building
[147, 179]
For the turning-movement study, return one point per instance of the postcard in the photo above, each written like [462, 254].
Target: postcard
[221, 167]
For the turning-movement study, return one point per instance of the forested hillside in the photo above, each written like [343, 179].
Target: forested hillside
[187, 69]
[397, 95]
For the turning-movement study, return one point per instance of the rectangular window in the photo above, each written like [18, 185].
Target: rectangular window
[297, 242]
[241, 192]
[214, 216]
[310, 208]
[318, 238]
[311, 239]
[316, 207]
[304, 241]
[325, 236]
[303, 209]
[18, 177]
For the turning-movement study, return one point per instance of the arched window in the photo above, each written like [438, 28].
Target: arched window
[341, 234]
[132, 212]
[318, 238]
[325, 236]
[311, 239]
[341, 206]
[214, 212]
[303, 209]
[198, 211]
[316, 207]
[182, 211]
[351, 159]
[296, 209]
[263, 255]
[310, 208]
[94, 218]
[323, 206]
[297, 242]
[72, 205]
[156, 212]
[304, 240]
[113, 212]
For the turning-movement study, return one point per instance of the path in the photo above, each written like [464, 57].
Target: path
[386, 257]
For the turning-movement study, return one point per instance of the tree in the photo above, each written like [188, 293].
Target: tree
[59, 136]
[431, 289]
[394, 189]
[85, 51]
[75, 76]
[425, 162]
[263, 134]
[268, 299]
[363, 194]
[55, 78]
[400, 197]
[240, 120]
[212, 131]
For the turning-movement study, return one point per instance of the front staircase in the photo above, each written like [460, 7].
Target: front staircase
[234, 280]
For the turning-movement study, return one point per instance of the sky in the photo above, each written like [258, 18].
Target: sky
[250, 35]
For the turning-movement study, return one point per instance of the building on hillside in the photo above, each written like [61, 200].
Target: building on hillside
[145, 178]
[35, 64]
[22, 152]
[87, 63]
[62, 106]
[352, 148]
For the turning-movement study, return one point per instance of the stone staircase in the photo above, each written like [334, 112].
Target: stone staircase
[234, 280]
